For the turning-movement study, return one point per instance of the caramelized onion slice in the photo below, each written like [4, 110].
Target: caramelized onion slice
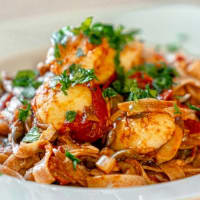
[41, 171]
[145, 105]
[169, 150]
[106, 163]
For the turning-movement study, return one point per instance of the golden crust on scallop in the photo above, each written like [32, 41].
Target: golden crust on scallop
[50, 105]
[144, 134]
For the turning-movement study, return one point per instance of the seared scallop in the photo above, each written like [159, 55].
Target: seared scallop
[145, 133]
[51, 104]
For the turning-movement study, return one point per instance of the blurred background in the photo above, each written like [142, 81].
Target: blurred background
[26, 25]
[25, 8]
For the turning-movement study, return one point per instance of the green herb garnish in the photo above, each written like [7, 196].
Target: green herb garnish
[80, 75]
[70, 116]
[64, 81]
[25, 113]
[176, 109]
[80, 52]
[109, 92]
[75, 75]
[27, 80]
[24, 78]
[74, 160]
[162, 76]
[32, 136]
[162, 79]
[193, 107]
[116, 37]
[138, 93]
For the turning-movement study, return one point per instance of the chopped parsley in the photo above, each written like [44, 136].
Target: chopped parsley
[162, 76]
[138, 93]
[24, 78]
[24, 113]
[162, 79]
[74, 160]
[109, 92]
[70, 116]
[80, 75]
[76, 75]
[64, 81]
[80, 52]
[1, 174]
[193, 107]
[32, 136]
[27, 80]
[176, 109]
[116, 37]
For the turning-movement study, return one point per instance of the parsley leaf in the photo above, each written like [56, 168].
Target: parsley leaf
[65, 82]
[109, 92]
[24, 78]
[176, 109]
[32, 136]
[138, 93]
[74, 160]
[57, 51]
[70, 116]
[76, 75]
[27, 80]
[24, 113]
[193, 107]
[80, 75]
[116, 37]
[162, 76]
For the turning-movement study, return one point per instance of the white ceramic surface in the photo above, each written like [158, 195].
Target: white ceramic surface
[22, 45]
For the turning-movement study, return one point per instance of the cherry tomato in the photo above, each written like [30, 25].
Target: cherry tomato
[166, 95]
[85, 130]
[192, 125]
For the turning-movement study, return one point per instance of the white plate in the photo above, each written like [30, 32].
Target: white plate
[23, 43]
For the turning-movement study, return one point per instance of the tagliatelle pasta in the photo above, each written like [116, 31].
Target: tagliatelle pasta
[103, 110]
